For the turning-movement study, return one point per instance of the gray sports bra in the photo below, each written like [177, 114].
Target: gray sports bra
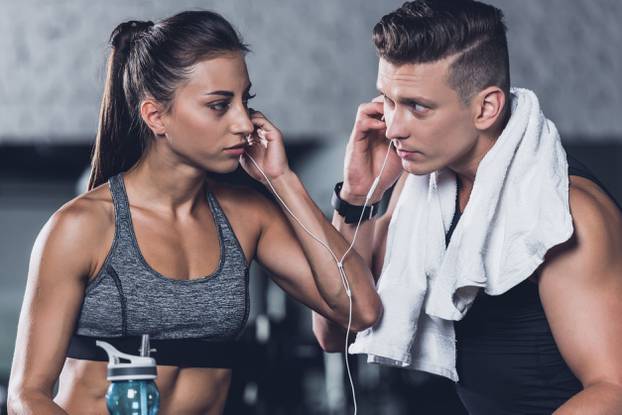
[128, 298]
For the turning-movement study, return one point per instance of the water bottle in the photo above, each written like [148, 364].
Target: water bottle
[132, 390]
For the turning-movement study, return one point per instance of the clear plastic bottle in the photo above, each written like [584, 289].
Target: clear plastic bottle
[132, 390]
[133, 397]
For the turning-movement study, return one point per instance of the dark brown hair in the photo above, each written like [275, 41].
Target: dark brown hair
[150, 60]
[424, 31]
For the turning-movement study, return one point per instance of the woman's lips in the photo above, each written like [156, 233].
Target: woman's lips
[235, 151]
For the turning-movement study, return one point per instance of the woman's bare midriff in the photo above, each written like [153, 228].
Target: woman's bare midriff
[183, 391]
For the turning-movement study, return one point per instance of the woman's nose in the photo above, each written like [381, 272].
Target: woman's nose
[242, 123]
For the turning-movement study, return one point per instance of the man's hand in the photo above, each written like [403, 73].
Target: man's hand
[365, 155]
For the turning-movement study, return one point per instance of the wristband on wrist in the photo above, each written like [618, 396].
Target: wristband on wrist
[352, 213]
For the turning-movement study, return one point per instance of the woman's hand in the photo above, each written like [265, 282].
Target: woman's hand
[365, 155]
[266, 148]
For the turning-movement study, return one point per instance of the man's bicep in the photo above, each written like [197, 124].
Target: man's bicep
[581, 292]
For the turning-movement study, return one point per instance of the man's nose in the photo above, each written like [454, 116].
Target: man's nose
[396, 125]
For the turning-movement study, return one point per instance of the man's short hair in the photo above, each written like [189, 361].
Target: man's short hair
[425, 31]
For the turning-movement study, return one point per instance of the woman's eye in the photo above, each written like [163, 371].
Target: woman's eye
[219, 106]
[248, 98]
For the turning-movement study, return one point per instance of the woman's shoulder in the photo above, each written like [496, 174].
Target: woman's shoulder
[84, 221]
[78, 231]
[92, 210]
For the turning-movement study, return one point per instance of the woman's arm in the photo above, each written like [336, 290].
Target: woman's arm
[301, 265]
[371, 243]
[368, 155]
[59, 264]
[305, 269]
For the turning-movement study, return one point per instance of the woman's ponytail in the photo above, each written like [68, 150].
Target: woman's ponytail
[118, 144]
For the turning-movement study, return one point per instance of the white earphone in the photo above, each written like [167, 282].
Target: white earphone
[339, 262]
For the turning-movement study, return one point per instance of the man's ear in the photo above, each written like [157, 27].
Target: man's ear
[488, 107]
[152, 114]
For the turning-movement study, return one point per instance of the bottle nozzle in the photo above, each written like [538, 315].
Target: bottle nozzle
[145, 347]
[138, 367]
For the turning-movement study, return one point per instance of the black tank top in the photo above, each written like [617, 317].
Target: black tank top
[507, 359]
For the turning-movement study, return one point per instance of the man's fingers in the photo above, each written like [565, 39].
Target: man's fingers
[366, 124]
[371, 109]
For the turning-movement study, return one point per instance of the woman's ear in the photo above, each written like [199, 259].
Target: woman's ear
[152, 114]
[489, 107]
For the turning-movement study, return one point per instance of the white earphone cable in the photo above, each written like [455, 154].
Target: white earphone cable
[339, 262]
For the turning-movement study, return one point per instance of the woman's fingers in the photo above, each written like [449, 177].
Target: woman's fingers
[264, 129]
[265, 147]
[260, 120]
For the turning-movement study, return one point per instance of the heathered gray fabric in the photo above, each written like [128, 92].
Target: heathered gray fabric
[129, 298]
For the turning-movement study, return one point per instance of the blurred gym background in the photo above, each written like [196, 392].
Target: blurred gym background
[312, 64]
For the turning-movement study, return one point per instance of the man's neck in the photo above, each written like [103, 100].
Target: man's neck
[466, 168]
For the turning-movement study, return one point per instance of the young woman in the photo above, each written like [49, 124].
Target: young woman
[156, 246]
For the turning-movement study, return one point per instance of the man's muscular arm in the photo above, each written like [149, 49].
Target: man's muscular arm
[581, 291]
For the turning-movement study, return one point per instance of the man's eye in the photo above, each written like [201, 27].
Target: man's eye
[419, 108]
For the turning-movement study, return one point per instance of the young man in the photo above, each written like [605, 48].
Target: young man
[546, 339]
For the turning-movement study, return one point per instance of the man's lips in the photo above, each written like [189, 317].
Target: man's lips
[407, 154]
[405, 150]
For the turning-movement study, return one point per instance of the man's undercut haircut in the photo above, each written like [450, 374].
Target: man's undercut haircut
[473, 34]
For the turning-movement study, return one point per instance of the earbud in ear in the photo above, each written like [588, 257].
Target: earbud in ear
[262, 137]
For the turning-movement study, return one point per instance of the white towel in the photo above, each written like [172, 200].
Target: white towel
[518, 210]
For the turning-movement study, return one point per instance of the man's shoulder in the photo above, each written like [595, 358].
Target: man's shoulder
[592, 210]
[594, 248]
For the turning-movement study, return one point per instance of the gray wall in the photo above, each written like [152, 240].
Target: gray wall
[312, 63]
[569, 53]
